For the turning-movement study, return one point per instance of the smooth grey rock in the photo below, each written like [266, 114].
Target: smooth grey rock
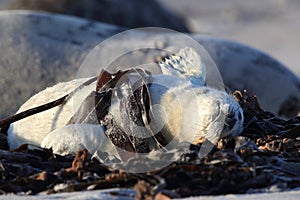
[39, 50]
[129, 13]
[243, 67]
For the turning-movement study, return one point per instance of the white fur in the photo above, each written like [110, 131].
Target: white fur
[185, 64]
[71, 138]
[200, 112]
[34, 129]
[189, 111]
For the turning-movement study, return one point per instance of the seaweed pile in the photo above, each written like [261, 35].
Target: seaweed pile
[264, 158]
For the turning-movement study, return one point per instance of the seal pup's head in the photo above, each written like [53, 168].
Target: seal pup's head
[192, 110]
[201, 113]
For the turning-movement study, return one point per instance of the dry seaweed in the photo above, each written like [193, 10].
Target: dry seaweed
[265, 156]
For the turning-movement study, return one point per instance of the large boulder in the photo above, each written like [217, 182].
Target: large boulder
[243, 67]
[129, 13]
[39, 50]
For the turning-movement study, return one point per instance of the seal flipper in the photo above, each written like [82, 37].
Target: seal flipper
[185, 64]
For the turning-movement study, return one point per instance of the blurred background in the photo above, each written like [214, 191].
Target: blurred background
[272, 26]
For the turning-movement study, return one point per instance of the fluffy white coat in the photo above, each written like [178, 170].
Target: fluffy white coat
[187, 111]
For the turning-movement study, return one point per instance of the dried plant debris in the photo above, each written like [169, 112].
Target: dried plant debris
[264, 158]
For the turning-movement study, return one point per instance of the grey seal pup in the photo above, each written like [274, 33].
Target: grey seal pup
[186, 109]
